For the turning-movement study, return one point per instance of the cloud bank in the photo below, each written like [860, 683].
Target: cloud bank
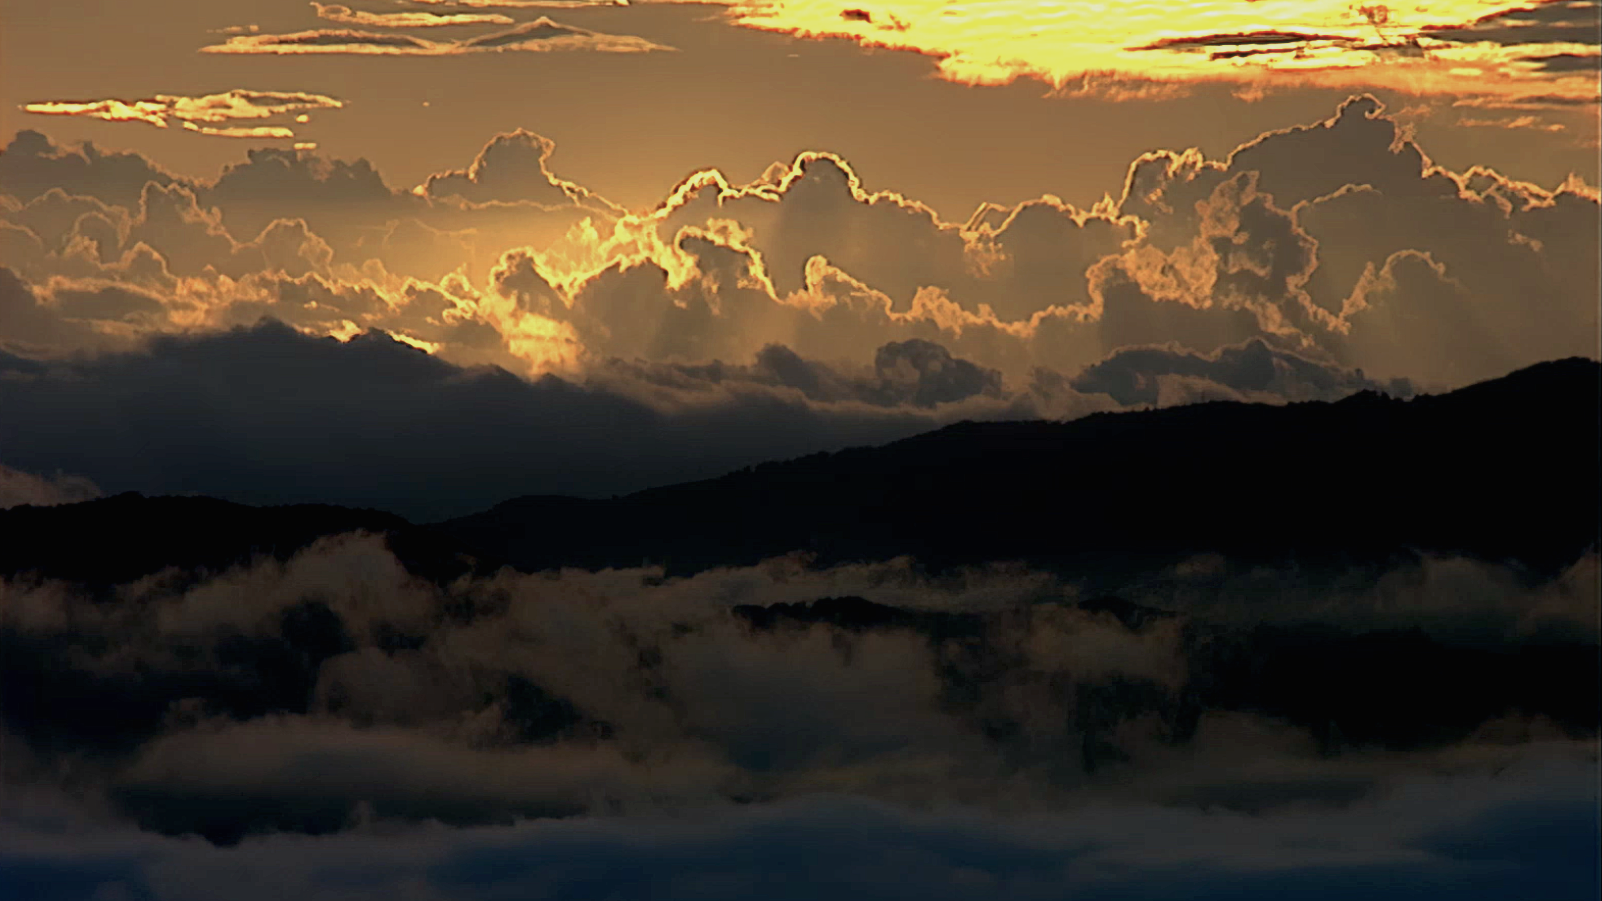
[337, 691]
[1373, 259]
[1469, 838]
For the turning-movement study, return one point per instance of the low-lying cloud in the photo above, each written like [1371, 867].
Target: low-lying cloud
[336, 690]
[1525, 831]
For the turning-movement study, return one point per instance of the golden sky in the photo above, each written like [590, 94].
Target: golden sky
[546, 185]
[1109, 80]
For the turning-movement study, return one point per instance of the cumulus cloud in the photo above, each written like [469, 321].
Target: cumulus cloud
[346, 205]
[541, 36]
[511, 168]
[1338, 242]
[31, 165]
[1200, 252]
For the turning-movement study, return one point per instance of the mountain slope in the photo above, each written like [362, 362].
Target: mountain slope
[1502, 470]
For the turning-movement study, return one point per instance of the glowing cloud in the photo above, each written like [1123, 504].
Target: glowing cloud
[203, 115]
[540, 35]
[344, 15]
[1464, 46]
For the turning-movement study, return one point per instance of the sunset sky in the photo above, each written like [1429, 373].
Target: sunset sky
[423, 257]
[953, 113]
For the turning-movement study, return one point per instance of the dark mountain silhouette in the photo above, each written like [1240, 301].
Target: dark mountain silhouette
[1504, 470]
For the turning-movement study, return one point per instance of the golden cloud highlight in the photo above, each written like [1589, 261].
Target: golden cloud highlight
[344, 15]
[204, 114]
[539, 36]
[1325, 239]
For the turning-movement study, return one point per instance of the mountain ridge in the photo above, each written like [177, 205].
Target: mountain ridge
[1464, 464]
[1503, 470]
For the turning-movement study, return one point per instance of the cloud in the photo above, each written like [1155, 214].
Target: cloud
[1470, 836]
[345, 205]
[705, 418]
[490, 421]
[1537, 24]
[18, 488]
[344, 15]
[520, 267]
[207, 114]
[908, 373]
[541, 35]
[31, 166]
[1170, 375]
[1443, 46]
[334, 690]
[1346, 195]
[511, 168]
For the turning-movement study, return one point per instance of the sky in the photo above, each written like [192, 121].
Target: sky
[739, 98]
[424, 256]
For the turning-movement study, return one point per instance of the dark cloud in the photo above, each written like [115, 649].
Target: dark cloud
[908, 373]
[326, 413]
[1568, 62]
[318, 419]
[334, 687]
[28, 324]
[31, 165]
[1544, 22]
[1162, 375]
[1470, 837]
[1246, 39]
